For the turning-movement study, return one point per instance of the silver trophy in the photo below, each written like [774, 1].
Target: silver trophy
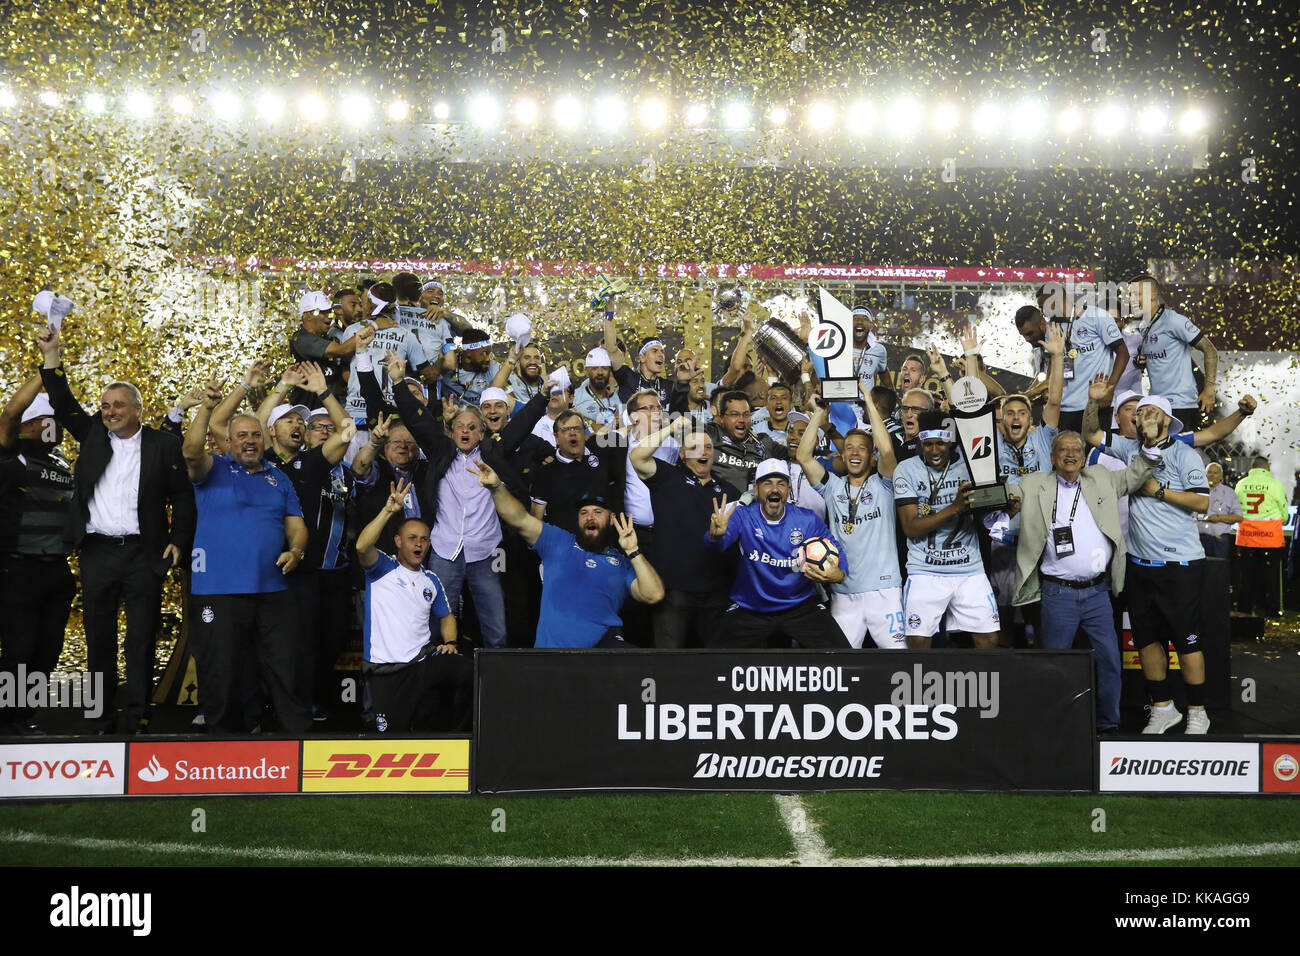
[729, 297]
[780, 349]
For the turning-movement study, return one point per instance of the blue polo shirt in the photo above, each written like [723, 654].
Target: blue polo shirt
[240, 529]
[582, 590]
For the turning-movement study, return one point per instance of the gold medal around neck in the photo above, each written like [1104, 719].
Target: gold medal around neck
[848, 527]
[925, 508]
[1073, 353]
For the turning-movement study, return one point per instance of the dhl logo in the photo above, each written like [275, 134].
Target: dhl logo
[408, 765]
[394, 765]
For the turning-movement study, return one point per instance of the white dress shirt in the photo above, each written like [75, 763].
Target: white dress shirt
[115, 503]
[636, 496]
[1092, 549]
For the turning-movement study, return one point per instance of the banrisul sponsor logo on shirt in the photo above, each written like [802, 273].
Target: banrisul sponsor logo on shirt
[711, 720]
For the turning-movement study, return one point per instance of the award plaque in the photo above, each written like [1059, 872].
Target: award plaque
[976, 433]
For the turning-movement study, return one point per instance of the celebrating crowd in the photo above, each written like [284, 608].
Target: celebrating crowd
[451, 498]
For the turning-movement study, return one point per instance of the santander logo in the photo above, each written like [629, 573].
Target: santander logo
[153, 771]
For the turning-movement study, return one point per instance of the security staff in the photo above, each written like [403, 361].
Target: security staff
[38, 514]
[1260, 542]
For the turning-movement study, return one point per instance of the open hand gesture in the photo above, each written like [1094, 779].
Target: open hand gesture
[1054, 344]
[313, 377]
[294, 375]
[257, 373]
[721, 518]
[213, 392]
[1099, 389]
[970, 340]
[626, 532]
[191, 398]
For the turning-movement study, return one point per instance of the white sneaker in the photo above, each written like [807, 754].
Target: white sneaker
[1162, 720]
[1198, 721]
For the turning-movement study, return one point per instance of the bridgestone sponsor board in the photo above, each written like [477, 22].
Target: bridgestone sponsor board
[1178, 766]
[783, 720]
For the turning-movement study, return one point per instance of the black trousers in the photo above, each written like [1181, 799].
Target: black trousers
[401, 693]
[521, 589]
[687, 618]
[228, 631]
[116, 573]
[335, 621]
[809, 624]
[638, 627]
[1260, 576]
[35, 597]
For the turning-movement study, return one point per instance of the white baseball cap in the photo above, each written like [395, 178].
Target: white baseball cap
[314, 302]
[1162, 403]
[770, 467]
[280, 411]
[319, 413]
[1124, 397]
[493, 394]
[39, 408]
[598, 358]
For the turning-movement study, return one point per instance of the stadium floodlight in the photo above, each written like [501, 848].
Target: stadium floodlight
[653, 113]
[485, 111]
[181, 104]
[7, 98]
[944, 118]
[398, 110]
[778, 115]
[1110, 119]
[270, 107]
[225, 105]
[1070, 120]
[697, 114]
[611, 112]
[1027, 119]
[736, 116]
[525, 111]
[95, 103]
[441, 111]
[51, 99]
[1153, 120]
[312, 108]
[568, 112]
[862, 116]
[138, 104]
[902, 115]
[821, 115]
[355, 107]
[987, 119]
[1193, 120]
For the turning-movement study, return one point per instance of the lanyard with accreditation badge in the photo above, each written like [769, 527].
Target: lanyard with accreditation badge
[1063, 538]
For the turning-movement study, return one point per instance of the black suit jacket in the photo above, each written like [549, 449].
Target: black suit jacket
[163, 478]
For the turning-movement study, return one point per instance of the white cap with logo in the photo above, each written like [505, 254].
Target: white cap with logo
[280, 411]
[39, 408]
[772, 468]
[598, 358]
[314, 302]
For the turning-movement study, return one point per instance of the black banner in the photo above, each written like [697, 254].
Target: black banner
[783, 720]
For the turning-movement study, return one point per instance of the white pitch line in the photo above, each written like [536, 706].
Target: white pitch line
[810, 848]
[811, 852]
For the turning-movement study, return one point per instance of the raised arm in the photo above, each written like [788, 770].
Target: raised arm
[254, 377]
[940, 368]
[508, 507]
[616, 357]
[886, 460]
[1226, 425]
[67, 411]
[1211, 355]
[1055, 347]
[647, 588]
[364, 459]
[11, 417]
[1098, 389]
[736, 368]
[292, 377]
[336, 446]
[195, 446]
[367, 552]
[804, 454]
[424, 427]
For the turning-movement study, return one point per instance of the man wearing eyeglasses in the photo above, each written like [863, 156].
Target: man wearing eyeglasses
[916, 401]
[737, 450]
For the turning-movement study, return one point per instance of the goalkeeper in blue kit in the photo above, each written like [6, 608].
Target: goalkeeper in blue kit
[774, 602]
